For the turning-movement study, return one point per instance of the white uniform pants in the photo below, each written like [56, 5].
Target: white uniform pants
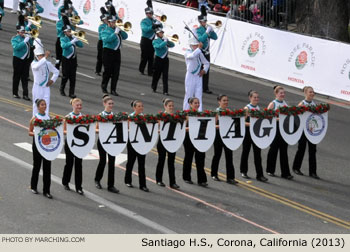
[39, 92]
[193, 88]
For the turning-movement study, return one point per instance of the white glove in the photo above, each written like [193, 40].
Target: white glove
[165, 39]
[26, 39]
[209, 29]
[158, 22]
[29, 23]
[117, 30]
[74, 40]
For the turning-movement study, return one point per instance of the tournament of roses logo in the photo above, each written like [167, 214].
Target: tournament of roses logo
[49, 139]
[122, 9]
[87, 7]
[255, 43]
[315, 124]
[55, 2]
[302, 55]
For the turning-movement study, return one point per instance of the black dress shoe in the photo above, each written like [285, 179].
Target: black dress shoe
[104, 91]
[47, 195]
[16, 96]
[113, 189]
[203, 184]
[34, 191]
[270, 174]
[298, 172]
[174, 186]
[66, 187]
[154, 91]
[231, 181]
[167, 94]
[72, 96]
[215, 178]
[262, 179]
[98, 73]
[314, 175]
[144, 188]
[26, 98]
[189, 182]
[114, 93]
[129, 185]
[80, 191]
[245, 175]
[98, 185]
[62, 93]
[150, 74]
[160, 184]
[289, 177]
[208, 91]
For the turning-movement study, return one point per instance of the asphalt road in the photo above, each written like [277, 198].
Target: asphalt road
[303, 205]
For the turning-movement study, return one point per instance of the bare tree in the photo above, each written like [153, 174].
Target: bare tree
[325, 18]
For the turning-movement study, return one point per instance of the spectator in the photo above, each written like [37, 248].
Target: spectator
[192, 3]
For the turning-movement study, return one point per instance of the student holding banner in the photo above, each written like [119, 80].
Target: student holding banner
[278, 144]
[37, 158]
[308, 101]
[169, 109]
[248, 142]
[219, 145]
[71, 159]
[190, 150]
[132, 155]
[108, 104]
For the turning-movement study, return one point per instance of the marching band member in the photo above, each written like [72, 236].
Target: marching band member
[101, 27]
[161, 63]
[132, 155]
[194, 75]
[204, 33]
[278, 143]
[69, 46]
[190, 150]
[77, 105]
[112, 38]
[21, 44]
[247, 142]
[41, 69]
[37, 8]
[148, 26]
[108, 104]
[169, 109]
[37, 158]
[308, 101]
[2, 12]
[219, 145]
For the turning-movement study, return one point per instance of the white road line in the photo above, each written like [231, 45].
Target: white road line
[85, 75]
[98, 199]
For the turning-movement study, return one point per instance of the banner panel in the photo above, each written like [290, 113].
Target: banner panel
[172, 135]
[113, 136]
[81, 138]
[49, 142]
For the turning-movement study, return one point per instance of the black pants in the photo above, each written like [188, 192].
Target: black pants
[69, 72]
[218, 146]
[132, 155]
[206, 76]
[20, 73]
[190, 150]
[161, 161]
[99, 56]
[161, 67]
[37, 159]
[58, 53]
[101, 165]
[2, 7]
[278, 144]
[67, 172]
[111, 64]
[300, 155]
[247, 143]
[147, 55]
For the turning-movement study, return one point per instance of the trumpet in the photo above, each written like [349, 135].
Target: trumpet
[33, 33]
[36, 20]
[123, 26]
[81, 36]
[218, 24]
[75, 20]
[174, 38]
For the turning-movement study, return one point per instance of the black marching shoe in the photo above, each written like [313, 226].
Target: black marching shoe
[114, 93]
[262, 179]
[98, 73]
[16, 96]
[98, 185]
[270, 174]
[62, 93]
[208, 91]
[112, 189]
[167, 94]
[26, 98]
[245, 175]
[129, 185]
[314, 175]
[203, 184]
[80, 191]
[47, 195]
[160, 183]
[72, 96]
[289, 177]
[189, 182]
[34, 191]
[298, 172]
[144, 188]
[174, 186]
[232, 182]
[215, 178]
[66, 187]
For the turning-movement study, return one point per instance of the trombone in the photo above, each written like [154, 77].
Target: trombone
[174, 38]
[217, 24]
[36, 20]
[81, 36]
[123, 26]
[33, 33]
[75, 20]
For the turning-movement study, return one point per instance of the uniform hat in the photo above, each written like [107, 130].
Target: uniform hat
[149, 8]
[193, 41]
[203, 15]
[39, 49]
[20, 24]
[67, 4]
[104, 13]
[109, 3]
[112, 14]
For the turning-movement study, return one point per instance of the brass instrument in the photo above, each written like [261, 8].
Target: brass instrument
[174, 38]
[81, 36]
[75, 20]
[162, 18]
[36, 20]
[218, 24]
[123, 26]
[33, 33]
